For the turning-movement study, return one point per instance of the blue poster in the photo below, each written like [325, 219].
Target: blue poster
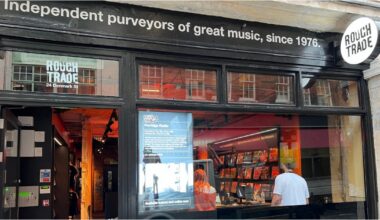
[165, 161]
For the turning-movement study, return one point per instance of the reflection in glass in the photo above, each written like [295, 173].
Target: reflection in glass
[175, 83]
[328, 92]
[256, 88]
[247, 149]
[32, 72]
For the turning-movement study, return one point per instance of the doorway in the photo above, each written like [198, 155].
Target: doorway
[64, 162]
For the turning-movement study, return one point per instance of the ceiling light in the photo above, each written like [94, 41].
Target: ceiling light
[244, 136]
[57, 141]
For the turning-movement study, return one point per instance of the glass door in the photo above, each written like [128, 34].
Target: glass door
[10, 139]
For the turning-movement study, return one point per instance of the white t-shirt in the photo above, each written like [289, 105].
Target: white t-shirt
[292, 188]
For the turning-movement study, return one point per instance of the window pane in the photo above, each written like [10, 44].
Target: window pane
[176, 83]
[256, 88]
[242, 154]
[328, 92]
[58, 74]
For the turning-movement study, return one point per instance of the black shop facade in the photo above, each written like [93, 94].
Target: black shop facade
[233, 98]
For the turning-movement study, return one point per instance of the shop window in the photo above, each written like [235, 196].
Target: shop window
[329, 92]
[58, 74]
[236, 157]
[176, 83]
[257, 88]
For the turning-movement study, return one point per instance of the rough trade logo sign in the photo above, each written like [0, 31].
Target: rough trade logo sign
[359, 40]
[62, 74]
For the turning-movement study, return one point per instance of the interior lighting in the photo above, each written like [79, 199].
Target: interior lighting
[57, 141]
[245, 136]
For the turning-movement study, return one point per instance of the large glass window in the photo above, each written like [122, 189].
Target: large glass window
[259, 88]
[229, 162]
[176, 83]
[33, 72]
[329, 92]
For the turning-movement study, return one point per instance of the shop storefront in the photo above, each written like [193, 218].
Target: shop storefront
[234, 99]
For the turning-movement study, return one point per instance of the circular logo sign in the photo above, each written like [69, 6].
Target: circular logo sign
[359, 40]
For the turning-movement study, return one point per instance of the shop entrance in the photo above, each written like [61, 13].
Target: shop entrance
[59, 162]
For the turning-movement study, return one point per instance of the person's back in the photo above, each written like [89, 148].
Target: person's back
[204, 193]
[292, 188]
[73, 200]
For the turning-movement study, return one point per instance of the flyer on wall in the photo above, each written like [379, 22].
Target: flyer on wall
[166, 161]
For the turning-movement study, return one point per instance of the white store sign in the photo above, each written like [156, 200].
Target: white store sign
[359, 40]
[62, 74]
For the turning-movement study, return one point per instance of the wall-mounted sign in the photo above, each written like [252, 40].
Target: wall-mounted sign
[142, 24]
[166, 161]
[359, 40]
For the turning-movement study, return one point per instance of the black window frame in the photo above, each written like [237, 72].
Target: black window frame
[333, 76]
[262, 71]
[180, 63]
[128, 101]
[73, 55]
[298, 108]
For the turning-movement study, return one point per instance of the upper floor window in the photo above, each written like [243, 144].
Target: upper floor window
[195, 82]
[33, 72]
[283, 90]
[259, 88]
[176, 83]
[247, 86]
[152, 77]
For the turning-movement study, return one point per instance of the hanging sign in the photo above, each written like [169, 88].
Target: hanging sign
[359, 40]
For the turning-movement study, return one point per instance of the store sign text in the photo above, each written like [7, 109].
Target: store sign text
[136, 22]
[62, 74]
[359, 40]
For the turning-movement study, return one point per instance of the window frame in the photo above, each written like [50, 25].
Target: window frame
[70, 51]
[185, 66]
[223, 105]
[85, 73]
[264, 72]
[357, 80]
[128, 52]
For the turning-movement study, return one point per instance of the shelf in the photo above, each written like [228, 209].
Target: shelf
[224, 179]
[250, 164]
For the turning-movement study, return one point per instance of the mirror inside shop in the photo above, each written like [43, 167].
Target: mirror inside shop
[206, 161]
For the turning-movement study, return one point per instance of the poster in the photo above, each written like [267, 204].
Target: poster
[166, 161]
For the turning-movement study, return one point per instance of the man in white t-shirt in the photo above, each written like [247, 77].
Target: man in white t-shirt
[290, 189]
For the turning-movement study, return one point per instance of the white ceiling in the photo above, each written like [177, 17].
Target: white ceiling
[320, 16]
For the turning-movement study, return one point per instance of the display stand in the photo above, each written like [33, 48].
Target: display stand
[249, 165]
